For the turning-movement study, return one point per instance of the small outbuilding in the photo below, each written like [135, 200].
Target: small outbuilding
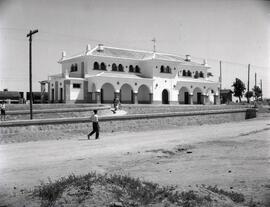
[225, 96]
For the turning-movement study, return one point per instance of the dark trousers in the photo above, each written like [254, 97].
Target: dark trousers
[95, 130]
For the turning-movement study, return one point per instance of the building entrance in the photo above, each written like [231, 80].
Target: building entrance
[165, 97]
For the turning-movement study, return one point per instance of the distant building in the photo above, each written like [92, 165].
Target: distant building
[102, 73]
[225, 96]
[38, 97]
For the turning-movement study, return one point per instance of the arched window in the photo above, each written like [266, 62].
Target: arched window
[189, 73]
[96, 66]
[137, 69]
[131, 69]
[120, 68]
[102, 66]
[196, 74]
[162, 69]
[201, 74]
[184, 73]
[72, 68]
[114, 67]
[168, 69]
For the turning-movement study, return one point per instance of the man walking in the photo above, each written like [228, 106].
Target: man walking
[94, 119]
[3, 111]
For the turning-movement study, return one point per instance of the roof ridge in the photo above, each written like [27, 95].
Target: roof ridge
[133, 50]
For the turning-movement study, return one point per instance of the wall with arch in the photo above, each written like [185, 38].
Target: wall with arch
[144, 94]
[183, 96]
[126, 94]
[107, 93]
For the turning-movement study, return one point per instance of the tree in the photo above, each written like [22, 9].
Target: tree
[248, 95]
[257, 92]
[239, 88]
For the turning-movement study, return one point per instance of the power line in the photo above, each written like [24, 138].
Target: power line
[84, 39]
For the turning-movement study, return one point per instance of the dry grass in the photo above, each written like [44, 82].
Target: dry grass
[234, 196]
[122, 190]
[119, 188]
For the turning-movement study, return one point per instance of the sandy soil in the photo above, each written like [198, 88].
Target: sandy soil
[230, 155]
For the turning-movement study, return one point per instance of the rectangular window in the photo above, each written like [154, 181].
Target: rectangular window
[76, 85]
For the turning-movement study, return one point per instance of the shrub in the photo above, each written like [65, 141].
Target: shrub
[234, 196]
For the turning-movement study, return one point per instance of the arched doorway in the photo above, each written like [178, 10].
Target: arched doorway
[165, 97]
[197, 96]
[144, 95]
[126, 94]
[107, 93]
[183, 96]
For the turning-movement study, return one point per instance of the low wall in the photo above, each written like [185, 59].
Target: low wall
[134, 122]
[55, 113]
[146, 108]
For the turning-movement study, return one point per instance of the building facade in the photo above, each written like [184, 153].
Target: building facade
[102, 73]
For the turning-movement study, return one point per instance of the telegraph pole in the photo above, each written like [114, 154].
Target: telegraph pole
[248, 75]
[255, 79]
[30, 69]
[261, 89]
[220, 74]
[220, 81]
[248, 81]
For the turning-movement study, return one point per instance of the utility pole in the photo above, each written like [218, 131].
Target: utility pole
[30, 69]
[220, 81]
[248, 82]
[261, 89]
[248, 75]
[255, 79]
[220, 74]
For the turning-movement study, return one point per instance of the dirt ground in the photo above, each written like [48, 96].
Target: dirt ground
[233, 156]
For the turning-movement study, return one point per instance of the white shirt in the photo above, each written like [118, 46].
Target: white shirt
[94, 118]
[3, 106]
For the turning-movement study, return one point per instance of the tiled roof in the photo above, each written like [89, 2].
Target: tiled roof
[139, 55]
[121, 53]
[133, 54]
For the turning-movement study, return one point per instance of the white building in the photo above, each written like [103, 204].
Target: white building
[103, 73]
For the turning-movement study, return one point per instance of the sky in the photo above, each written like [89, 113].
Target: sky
[235, 32]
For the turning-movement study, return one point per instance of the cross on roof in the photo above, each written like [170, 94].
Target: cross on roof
[154, 41]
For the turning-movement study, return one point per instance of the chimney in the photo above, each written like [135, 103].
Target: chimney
[63, 55]
[188, 58]
[100, 48]
[205, 62]
[88, 49]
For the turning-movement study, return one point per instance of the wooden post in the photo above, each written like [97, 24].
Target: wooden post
[248, 80]
[261, 89]
[30, 69]
[255, 79]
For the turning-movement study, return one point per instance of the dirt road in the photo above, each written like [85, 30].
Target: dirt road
[231, 156]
